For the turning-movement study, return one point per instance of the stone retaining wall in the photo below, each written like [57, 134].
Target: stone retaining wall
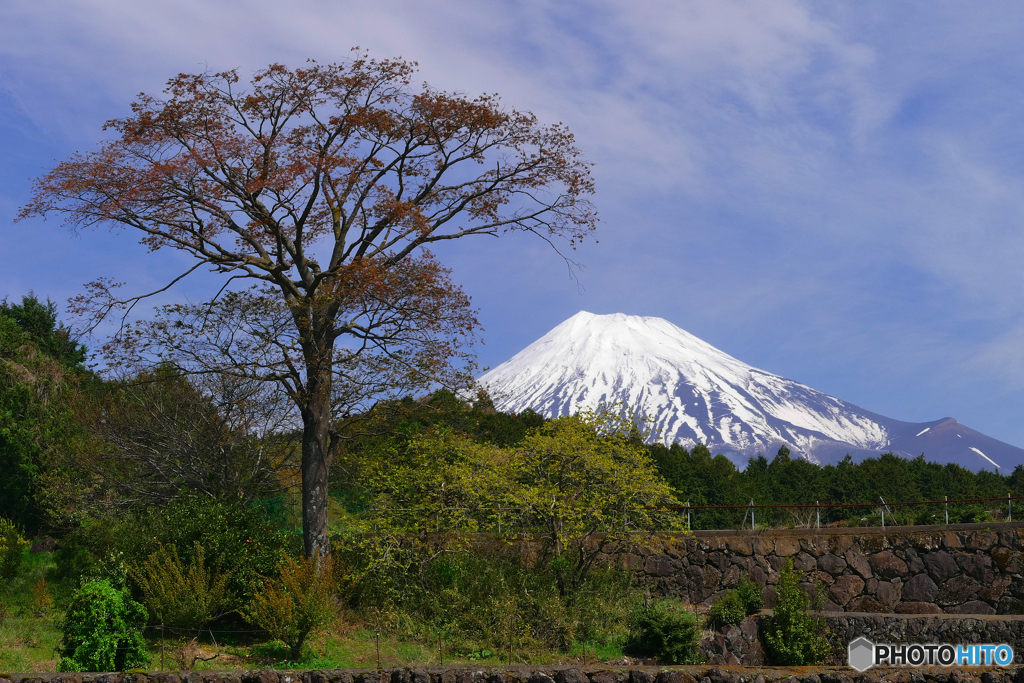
[962, 569]
[742, 645]
[549, 674]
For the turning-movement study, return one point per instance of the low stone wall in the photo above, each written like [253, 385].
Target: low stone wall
[961, 569]
[549, 674]
[742, 645]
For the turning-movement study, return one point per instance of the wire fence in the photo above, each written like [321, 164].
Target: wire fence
[828, 514]
[819, 514]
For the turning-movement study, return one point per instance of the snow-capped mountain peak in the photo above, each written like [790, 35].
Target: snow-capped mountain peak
[695, 392]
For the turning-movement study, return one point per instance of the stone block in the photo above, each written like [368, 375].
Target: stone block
[719, 560]
[805, 563]
[888, 593]
[971, 607]
[941, 566]
[958, 590]
[845, 589]
[740, 545]
[786, 546]
[886, 565]
[660, 565]
[831, 564]
[920, 588]
[866, 603]
[858, 562]
[570, 676]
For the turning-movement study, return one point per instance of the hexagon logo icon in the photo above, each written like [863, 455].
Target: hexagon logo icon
[861, 653]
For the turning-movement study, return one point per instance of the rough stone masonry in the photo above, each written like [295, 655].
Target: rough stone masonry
[960, 569]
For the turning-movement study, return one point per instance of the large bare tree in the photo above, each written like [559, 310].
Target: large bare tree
[321, 186]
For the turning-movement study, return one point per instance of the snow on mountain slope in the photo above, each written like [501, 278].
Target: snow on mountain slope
[695, 393]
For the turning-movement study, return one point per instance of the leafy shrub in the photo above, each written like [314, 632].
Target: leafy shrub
[42, 601]
[734, 605]
[102, 631]
[180, 595]
[726, 610]
[751, 595]
[793, 637]
[302, 599]
[480, 599]
[12, 545]
[236, 536]
[661, 629]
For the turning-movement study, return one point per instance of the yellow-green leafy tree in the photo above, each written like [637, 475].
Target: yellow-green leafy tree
[585, 482]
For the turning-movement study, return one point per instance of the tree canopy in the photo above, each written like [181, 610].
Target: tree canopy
[314, 192]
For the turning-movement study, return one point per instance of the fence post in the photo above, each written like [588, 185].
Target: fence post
[752, 525]
[946, 498]
[817, 512]
[689, 525]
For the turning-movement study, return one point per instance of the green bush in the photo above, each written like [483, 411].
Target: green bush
[793, 637]
[102, 631]
[301, 599]
[178, 594]
[478, 600]
[12, 545]
[751, 595]
[234, 537]
[662, 629]
[727, 609]
[735, 604]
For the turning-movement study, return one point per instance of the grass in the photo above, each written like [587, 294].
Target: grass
[29, 632]
[29, 635]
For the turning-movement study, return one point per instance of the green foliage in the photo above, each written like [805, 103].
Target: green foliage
[703, 479]
[12, 546]
[735, 604]
[793, 637]
[38, 321]
[177, 594]
[727, 609]
[481, 598]
[662, 629]
[40, 367]
[102, 631]
[751, 594]
[237, 538]
[578, 476]
[300, 600]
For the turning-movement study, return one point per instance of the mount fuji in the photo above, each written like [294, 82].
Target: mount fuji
[694, 392]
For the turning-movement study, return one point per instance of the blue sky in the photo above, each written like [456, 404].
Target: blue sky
[833, 192]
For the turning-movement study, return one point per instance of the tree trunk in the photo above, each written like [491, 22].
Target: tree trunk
[316, 456]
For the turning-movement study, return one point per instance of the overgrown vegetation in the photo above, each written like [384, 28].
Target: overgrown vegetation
[793, 636]
[182, 505]
[664, 631]
[736, 604]
[102, 631]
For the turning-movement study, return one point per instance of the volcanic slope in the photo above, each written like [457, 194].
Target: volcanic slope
[694, 392]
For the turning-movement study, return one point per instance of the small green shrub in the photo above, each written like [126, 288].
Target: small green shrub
[751, 595]
[736, 604]
[726, 610]
[793, 637]
[178, 594]
[102, 631]
[662, 629]
[12, 545]
[300, 600]
[237, 538]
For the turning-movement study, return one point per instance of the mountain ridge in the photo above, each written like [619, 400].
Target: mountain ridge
[696, 392]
